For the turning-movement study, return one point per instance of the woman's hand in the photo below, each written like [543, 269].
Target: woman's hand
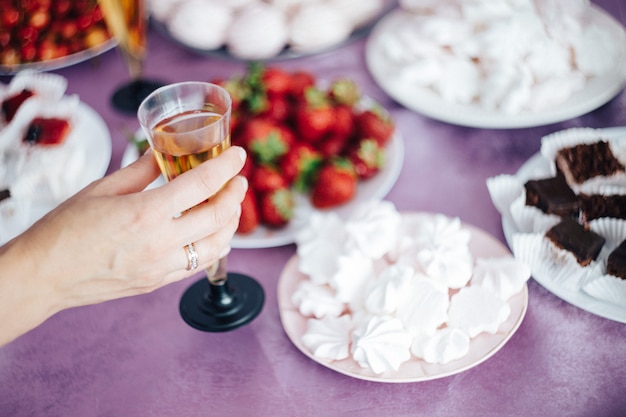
[112, 240]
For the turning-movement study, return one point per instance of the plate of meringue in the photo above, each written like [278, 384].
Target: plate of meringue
[428, 297]
[37, 176]
[507, 64]
[265, 29]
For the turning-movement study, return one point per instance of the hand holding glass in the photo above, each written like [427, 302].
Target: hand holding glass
[186, 124]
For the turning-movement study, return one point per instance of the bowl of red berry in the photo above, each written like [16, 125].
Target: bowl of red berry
[50, 34]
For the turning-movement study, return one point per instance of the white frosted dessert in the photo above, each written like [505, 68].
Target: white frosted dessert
[509, 56]
[257, 32]
[381, 343]
[327, 338]
[201, 24]
[358, 12]
[404, 297]
[316, 26]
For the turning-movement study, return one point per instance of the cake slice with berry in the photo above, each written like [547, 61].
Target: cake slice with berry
[47, 131]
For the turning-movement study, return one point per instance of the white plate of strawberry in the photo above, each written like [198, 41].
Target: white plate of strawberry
[309, 148]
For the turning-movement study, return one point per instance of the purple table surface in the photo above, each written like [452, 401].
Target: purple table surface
[136, 357]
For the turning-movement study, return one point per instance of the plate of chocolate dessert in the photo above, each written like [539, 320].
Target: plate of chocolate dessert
[564, 214]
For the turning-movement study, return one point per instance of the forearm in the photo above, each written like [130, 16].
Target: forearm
[25, 301]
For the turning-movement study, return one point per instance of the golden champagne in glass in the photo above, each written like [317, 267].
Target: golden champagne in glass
[187, 124]
[127, 22]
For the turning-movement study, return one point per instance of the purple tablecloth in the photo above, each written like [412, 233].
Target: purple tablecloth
[136, 357]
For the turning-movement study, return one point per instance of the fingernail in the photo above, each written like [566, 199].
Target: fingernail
[244, 181]
[242, 153]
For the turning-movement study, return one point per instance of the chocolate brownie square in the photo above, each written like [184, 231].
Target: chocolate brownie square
[573, 237]
[552, 196]
[596, 206]
[582, 162]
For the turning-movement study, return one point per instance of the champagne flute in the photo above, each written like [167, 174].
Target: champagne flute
[127, 21]
[187, 123]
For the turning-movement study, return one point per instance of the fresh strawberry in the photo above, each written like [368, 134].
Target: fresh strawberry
[376, 124]
[250, 217]
[336, 184]
[43, 131]
[300, 81]
[11, 104]
[368, 158]
[299, 166]
[277, 207]
[264, 139]
[267, 178]
[276, 81]
[315, 117]
[344, 92]
[344, 121]
[278, 109]
[333, 145]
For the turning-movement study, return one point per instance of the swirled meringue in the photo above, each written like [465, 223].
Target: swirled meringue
[257, 32]
[386, 292]
[373, 228]
[505, 276]
[316, 300]
[476, 309]
[443, 346]
[381, 344]
[329, 337]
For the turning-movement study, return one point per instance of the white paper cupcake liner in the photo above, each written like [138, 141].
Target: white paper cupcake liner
[613, 230]
[557, 265]
[48, 85]
[504, 189]
[607, 288]
[530, 219]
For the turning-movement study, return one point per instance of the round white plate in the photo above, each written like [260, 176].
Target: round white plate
[482, 347]
[536, 167]
[597, 91]
[91, 134]
[62, 62]
[374, 188]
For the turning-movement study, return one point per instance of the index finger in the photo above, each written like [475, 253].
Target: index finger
[197, 185]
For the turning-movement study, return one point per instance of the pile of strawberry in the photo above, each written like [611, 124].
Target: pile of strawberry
[302, 138]
[41, 30]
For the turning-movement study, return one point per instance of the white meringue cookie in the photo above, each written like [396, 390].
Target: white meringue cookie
[317, 26]
[475, 310]
[201, 24]
[381, 344]
[329, 337]
[317, 300]
[354, 272]
[424, 307]
[358, 12]
[444, 346]
[257, 32]
[594, 51]
[373, 227]
[504, 276]
[386, 292]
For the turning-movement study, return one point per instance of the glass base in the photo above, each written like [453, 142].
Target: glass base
[128, 97]
[213, 308]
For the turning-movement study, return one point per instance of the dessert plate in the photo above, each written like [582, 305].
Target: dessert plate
[57, 63]
[92, 136]
[376, 187]
[597, 91]
[534, 168]
[482, 347]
